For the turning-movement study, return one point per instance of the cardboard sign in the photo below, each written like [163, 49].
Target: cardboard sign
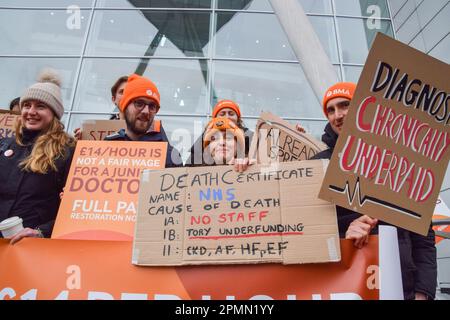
[276, 140]
[100, 197]
[48, 269]
[214, 215]
[391, 157]
[99, 129]
[7, 123]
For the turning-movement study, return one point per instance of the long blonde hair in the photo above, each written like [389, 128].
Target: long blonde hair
[49, 146]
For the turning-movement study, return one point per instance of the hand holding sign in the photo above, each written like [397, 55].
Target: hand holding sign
[359, 230]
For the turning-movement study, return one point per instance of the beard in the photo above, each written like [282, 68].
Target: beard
[138, 124]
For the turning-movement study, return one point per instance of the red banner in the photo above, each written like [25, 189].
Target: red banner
[76, 269]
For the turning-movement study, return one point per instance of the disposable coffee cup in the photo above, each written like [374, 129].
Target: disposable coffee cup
[11, 226]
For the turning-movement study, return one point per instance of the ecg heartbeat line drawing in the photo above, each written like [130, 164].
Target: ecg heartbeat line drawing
[363, 200]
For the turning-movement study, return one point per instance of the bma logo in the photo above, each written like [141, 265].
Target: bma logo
[338, 91]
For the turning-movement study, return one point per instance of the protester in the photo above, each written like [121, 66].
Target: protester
[116, 95]
[139, 104]
[224, 143]
[223, 109]
[417, 253]
[34, 165]
[14, 105]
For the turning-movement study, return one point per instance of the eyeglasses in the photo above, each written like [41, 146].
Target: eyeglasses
[140, 105]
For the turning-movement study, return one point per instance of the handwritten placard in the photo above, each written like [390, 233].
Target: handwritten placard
[7, 123]
[276, 140]
[100, 129]
[391, 157]
[214, 215]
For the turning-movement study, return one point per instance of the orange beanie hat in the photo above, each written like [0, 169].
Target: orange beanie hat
[223, 124]
[339, 90]
[137, 87]
[226, 104]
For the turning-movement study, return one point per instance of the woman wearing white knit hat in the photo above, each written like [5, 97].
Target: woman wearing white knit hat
[34, 165]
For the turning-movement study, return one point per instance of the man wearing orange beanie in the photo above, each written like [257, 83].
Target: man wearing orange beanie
[140, 103]
[335, 107]
[417, 253]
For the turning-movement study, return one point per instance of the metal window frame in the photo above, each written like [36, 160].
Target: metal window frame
[210, 58]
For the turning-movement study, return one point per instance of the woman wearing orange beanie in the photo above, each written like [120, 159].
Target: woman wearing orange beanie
[224, 144]
[223, 109]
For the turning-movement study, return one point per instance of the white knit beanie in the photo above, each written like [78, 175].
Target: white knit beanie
[47, 90]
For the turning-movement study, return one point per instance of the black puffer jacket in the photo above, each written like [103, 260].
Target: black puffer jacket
[417, 253]
[32, 196]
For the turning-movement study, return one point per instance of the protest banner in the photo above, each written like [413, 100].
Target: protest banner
[38, 269]
[99, 129]
[7, 123]
[276, 140]
[215, 215]
[70, 269]
[390, 159]
[100, 196]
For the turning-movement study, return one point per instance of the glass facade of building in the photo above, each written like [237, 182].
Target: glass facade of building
[425, 25]
[196, 51]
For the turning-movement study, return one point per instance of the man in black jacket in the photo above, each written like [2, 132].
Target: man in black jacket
[140, 103]
[417, 252]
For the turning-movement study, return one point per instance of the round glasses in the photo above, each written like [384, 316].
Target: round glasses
[141, 104]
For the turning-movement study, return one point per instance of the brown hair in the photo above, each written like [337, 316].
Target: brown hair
[240, 123]
[117, 85]
[14, 102]
[49, 146]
